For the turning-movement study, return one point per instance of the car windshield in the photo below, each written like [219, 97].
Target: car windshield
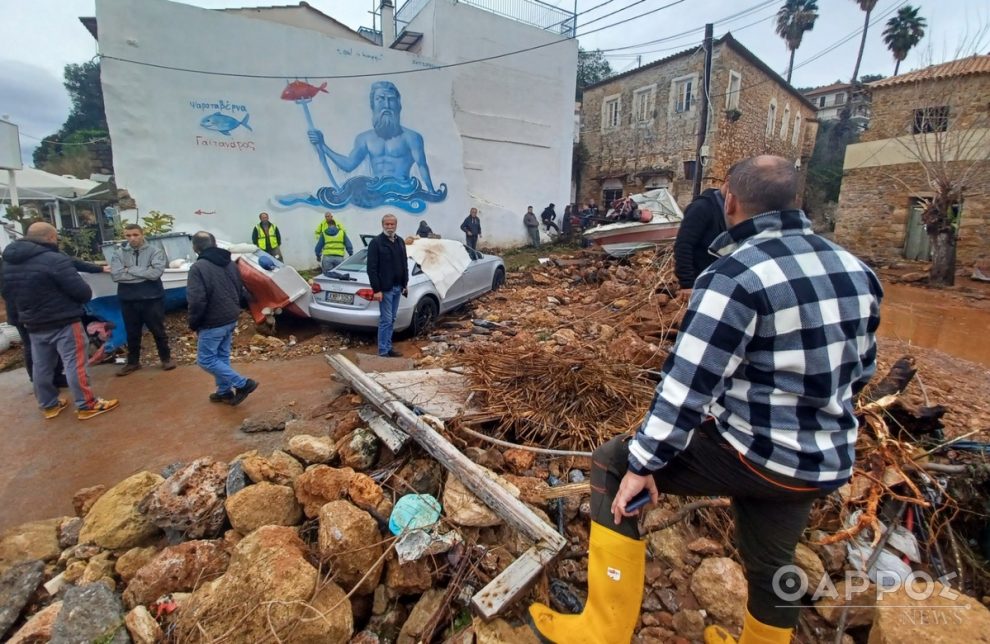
[356, 262]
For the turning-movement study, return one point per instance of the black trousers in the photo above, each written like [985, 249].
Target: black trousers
[145, 313]
[771, 511]
[471, 241]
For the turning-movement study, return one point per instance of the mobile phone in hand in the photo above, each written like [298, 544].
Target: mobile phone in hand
[638, 501]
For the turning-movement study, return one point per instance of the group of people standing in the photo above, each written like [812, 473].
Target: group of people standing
[45, 298]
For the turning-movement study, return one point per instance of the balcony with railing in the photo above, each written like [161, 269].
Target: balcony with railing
[531, 12]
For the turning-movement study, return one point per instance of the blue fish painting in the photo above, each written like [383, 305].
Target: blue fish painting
[224, 124]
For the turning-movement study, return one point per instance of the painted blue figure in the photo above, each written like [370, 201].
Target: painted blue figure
[391, 150]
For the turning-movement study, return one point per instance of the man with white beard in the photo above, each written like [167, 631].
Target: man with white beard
[391, 148]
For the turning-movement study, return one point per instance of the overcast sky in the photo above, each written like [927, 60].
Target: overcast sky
[41, 36]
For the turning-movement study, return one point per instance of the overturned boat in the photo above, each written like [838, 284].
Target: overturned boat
[274, 286]
[660, 218]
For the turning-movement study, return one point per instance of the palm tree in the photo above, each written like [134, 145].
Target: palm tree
[903, 32]
[867, 6]
[793, 19]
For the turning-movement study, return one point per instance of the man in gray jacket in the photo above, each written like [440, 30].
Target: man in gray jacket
[137, 267]
[532, 227]
[216, 296]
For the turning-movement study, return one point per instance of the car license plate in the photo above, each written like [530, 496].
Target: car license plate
[340, 298]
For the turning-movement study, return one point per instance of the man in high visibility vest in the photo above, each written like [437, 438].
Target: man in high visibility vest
[267, 237]
[331, 244]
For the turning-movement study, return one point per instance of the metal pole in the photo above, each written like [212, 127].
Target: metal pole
[703, 115]
[12, 184]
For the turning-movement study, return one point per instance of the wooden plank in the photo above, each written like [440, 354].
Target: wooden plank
[393, 437]
[438, 392]
[506, 587]
[512, 582]
[562, 491]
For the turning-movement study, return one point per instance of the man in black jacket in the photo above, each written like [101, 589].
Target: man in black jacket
[48, 295]
[472, 228]
[704, 220]
[137, 268]
[215, 296]
[388, 270]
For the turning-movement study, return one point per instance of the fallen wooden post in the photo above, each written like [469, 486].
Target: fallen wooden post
[513, 581]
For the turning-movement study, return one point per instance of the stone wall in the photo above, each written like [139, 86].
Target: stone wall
[874, 207]
[640, 155]
[893, 107]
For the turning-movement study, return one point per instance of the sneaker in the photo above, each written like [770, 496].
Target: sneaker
[54, 411]
[239, 394]
[224, 397]
[128, 369]
[168, 365]
[99, 407]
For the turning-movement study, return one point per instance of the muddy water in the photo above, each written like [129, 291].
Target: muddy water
[936, 320]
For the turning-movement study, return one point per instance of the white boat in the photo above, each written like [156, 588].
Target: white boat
[622, 238]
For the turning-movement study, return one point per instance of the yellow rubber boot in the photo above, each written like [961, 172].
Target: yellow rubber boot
[754, 632]
[616, 566]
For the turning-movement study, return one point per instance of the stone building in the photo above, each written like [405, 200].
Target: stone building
[831, 100]
[939, 111]
[640, 128]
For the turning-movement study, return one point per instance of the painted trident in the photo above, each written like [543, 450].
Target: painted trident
[302, 93]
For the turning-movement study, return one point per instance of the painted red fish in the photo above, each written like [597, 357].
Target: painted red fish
[300, 90]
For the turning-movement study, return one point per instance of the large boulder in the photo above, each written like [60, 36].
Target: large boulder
[350, 540]
[279, 468]
[858, 602]
[17, 584]
[91, 613]
[38, 628]
[30, 541]
[720, 587]
[143, 627]
[424, 610]
[321, 484]
[115, 522]
[263, 504]
[929, 613]
[269, 588]
[178, 568]
[463, 508]
[359, 449]
[83, 499]
[312, 449]
[190, 500]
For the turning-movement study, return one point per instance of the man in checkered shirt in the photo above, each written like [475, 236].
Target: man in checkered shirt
[755, 403]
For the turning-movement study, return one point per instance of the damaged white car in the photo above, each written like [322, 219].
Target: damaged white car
[443, 275]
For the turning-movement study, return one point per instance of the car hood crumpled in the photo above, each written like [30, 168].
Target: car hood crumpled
[443, 260]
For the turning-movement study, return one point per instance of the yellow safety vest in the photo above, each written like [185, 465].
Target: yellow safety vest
[333, 244]
[262, 241]
[323, 227]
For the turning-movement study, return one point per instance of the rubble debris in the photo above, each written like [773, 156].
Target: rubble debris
[190, 500]
[90, 613]
[17, 584]
[33, 540]
[115, 520]
[272, 420]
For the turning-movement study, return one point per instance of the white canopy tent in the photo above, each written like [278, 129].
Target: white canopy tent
[33, 184]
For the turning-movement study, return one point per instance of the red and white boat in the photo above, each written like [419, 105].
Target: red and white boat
[274, 290]
[660, 219]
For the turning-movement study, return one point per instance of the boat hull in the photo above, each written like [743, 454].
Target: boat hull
[273, 291]
[620, 240]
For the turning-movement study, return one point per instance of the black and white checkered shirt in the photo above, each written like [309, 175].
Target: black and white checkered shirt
[777, 339]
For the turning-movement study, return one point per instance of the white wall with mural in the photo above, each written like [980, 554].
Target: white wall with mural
[262, 131]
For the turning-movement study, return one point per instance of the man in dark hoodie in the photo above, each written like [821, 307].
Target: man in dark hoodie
[215, 296]
[137, 268]
[48, 296]
[704, 220]
[388, 271]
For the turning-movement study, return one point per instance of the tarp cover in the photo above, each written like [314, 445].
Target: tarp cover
[443, 260]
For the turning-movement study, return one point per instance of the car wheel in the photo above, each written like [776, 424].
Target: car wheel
[424, 316]
[499, 279]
